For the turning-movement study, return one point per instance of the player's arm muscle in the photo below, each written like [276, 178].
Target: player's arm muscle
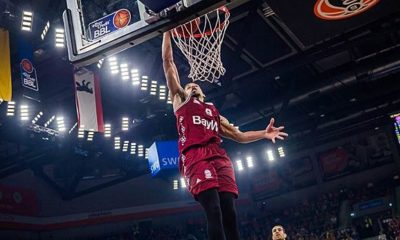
[231, 132]
[170, 70]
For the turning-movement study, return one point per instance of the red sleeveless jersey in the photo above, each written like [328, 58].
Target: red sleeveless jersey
[198, 124]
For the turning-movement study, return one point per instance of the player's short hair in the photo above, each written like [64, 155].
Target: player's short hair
[184, 87]
[190, 83]
[278, 225]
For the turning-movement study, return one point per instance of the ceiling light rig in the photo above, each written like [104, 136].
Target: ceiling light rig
[24, 112]
[124, 71]
[73, 128]
[45, 30]
[11, 109]
[59, 37]
[107, 130]
[90, 135]
[113, 65]
[81, 132]
[27, 21]
[38, 116]
[125, 124]
[135, 77]
[61, 124]
[49, 121]
[144, 83]
[117, 143]
[153, 88]
[140, 150]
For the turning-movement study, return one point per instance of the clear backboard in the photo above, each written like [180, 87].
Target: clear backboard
[95, 29]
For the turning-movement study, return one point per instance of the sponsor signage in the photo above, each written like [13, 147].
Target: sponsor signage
[163, 155]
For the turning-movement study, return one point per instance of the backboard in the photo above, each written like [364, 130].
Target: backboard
[95, 29]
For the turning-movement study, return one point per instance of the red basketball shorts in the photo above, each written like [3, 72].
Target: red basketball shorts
[206, 167]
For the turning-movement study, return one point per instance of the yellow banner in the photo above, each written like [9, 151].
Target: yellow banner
[5, 66]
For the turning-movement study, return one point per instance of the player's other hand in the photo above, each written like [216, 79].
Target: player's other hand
[273, 133]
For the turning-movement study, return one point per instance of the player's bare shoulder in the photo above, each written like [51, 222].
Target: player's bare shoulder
[179, 99]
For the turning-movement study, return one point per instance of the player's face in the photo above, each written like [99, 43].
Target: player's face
[194, 89]
[278, 233]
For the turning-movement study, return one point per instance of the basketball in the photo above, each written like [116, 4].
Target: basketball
[122, 18]
[187, 29]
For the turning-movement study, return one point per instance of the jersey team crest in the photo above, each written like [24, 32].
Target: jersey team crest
[342, 9]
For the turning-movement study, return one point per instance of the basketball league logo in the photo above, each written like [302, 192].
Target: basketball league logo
[342, 9]
[110, 23]
[28, 75]
[122, 18]
[27, 65]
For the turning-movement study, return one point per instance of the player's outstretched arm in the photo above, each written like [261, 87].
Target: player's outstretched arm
[272, 133]
[171, 73]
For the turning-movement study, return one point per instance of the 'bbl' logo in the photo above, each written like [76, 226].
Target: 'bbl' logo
[341, 9]
[28, 75]
[109, 23]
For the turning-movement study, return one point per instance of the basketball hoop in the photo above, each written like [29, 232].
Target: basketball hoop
[200, 41]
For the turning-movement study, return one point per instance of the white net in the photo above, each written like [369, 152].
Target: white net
[200, 41]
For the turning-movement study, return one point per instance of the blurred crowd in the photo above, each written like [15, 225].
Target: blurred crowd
[315, 218]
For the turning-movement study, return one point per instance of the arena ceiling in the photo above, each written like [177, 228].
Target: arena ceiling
[321, 78]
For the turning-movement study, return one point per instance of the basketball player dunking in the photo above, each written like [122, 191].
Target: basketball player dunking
[204, 164]
[278, 233]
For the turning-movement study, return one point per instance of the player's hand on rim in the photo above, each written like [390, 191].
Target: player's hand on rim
[273, 133]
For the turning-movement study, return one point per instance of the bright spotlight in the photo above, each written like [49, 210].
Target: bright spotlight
[125, 124]
[133, 148]
[90, 135]
[270, 155]
[107, 130]
[135, 77]
[162, 92]
[153, 88]
[49, 121]
[124, 71]
[11, 109]
[100, 63]
[281, 152]
[239, 165]
[125, 146]
[60, 124]
[140, 150]
[113, 65]
[38, 116]
[73, 128]
[81, 131]
[24, 112]
[117, 143]
[175, 184]
[27, 19]
[169, 101]
[144, 83]
[59, 37]
[45, 30]
[250, 163]
[183, 182]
